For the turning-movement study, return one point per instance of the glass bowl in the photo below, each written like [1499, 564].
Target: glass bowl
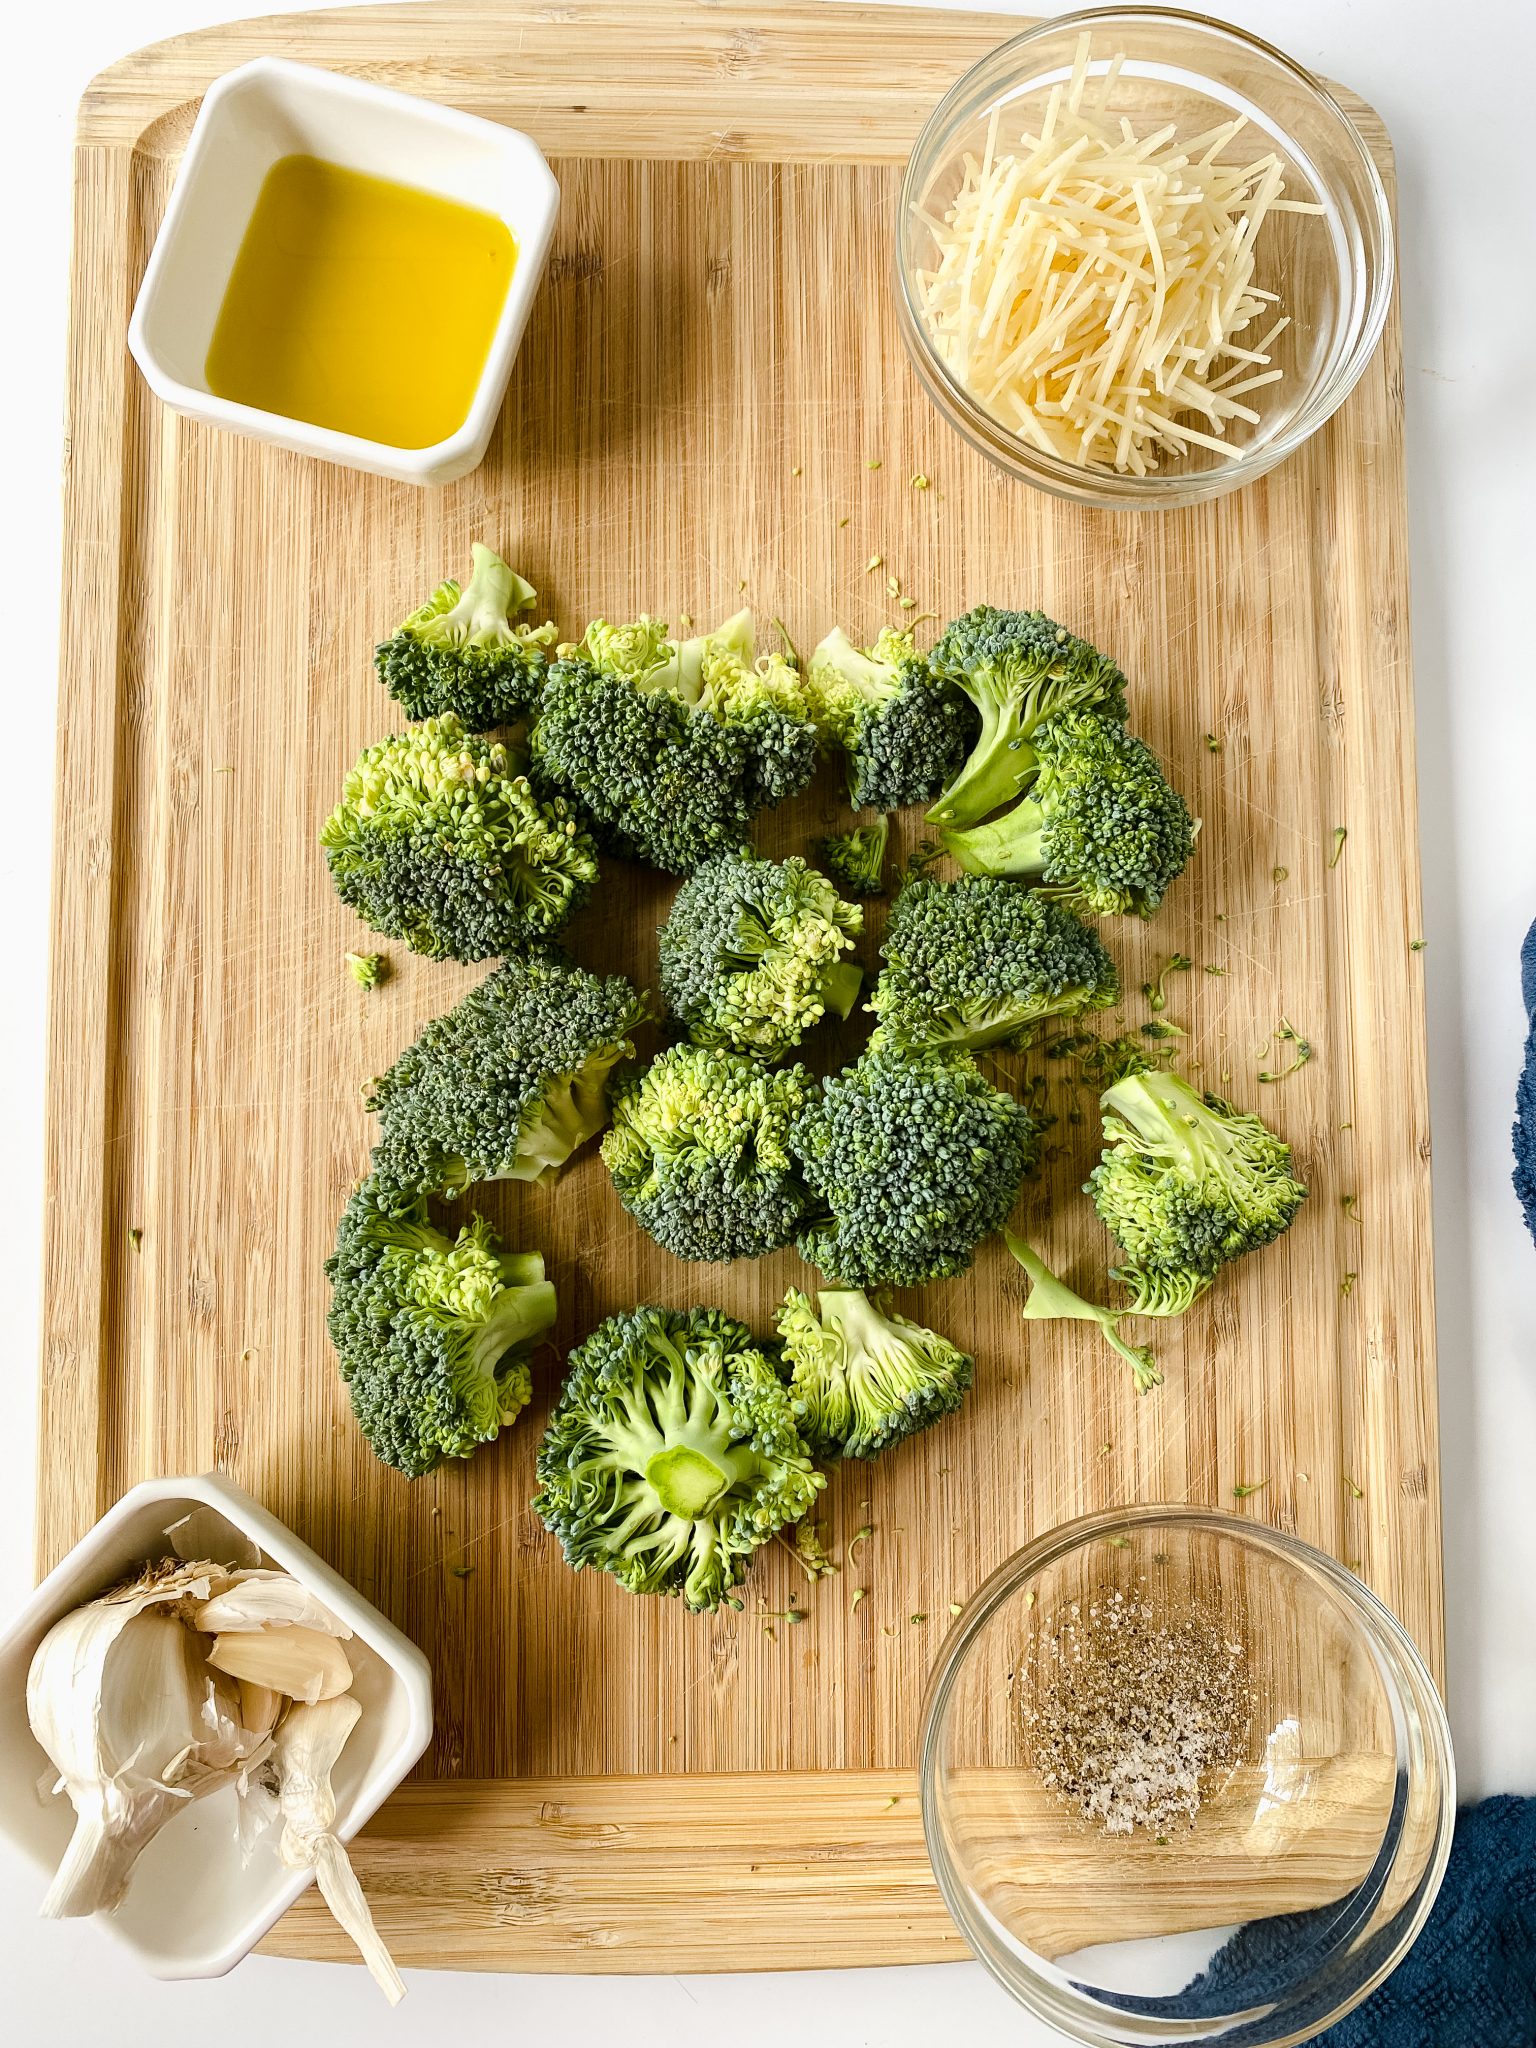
[1332, 270]
[1322, 1828]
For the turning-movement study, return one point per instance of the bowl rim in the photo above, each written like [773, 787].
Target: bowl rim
[1108, 490]
[231, 98]
[1060, 1541]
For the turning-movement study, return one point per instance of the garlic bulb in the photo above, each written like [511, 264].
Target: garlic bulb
[199, 1675]
[136, 1726]
[304, 1755]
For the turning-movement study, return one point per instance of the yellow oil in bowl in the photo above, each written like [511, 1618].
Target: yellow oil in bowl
[361, 305]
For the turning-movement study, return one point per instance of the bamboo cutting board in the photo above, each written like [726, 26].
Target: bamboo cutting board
[711, 401]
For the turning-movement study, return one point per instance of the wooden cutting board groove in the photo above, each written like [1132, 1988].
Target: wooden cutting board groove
[711, 374]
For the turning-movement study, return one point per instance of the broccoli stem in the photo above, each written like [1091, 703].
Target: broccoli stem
[685, 672]
[572, 1112]
[520, 1316]
[1013, 846]
[1051, 1300]
[1000, 764]
[687, 1482]
[840, 990]
[520, 1269]
[493, 593]
[1168, 1116]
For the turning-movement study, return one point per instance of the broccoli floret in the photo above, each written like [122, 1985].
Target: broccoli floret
[509, 1082]
[698, 1150]
[912, 1158]
[752, 952]
[671, 749]
[1052, 1300]
[1018, 669]
[980, 962]
[855, 859]
[1186, 1183]
[437, 841]
[672, 1454]
[433, 1334]
[367, 969]
[1101, 827]
[904, 730]
[461, 652]
[863, 1377]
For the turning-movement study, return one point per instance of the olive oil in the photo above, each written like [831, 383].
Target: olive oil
[361, 305]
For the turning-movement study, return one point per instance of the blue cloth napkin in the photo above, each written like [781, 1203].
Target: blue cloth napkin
[1469, 1981]
[1525, 1093]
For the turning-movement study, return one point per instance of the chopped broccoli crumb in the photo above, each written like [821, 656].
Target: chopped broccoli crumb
[367, 969]
[1285, 1033]
[1156, 992]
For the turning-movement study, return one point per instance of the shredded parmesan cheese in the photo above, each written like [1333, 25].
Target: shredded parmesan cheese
[1088, 287]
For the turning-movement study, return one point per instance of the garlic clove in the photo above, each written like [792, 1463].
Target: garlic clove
[300, 1662]
[206, 1533]
[254, 1602]
[304, 1754]
[260, 1706]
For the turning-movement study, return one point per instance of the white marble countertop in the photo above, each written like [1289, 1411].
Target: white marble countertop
[1453, 86]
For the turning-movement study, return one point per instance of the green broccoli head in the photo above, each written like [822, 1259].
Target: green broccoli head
[1185, 1184]
[1100, 827]
[509, 1082]
[670, 748]
[698, 1151]
[912, 1158]
[751, 953]
[855, 860]
[1018, 669]
[461, 652]
[433, 1334]
[672, 1454]
[437, 841]
[862, 1377]
[904, 730]
[980, 962]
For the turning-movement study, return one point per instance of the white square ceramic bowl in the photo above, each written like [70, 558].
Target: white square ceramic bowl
[193, 1909]
[269, 109]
